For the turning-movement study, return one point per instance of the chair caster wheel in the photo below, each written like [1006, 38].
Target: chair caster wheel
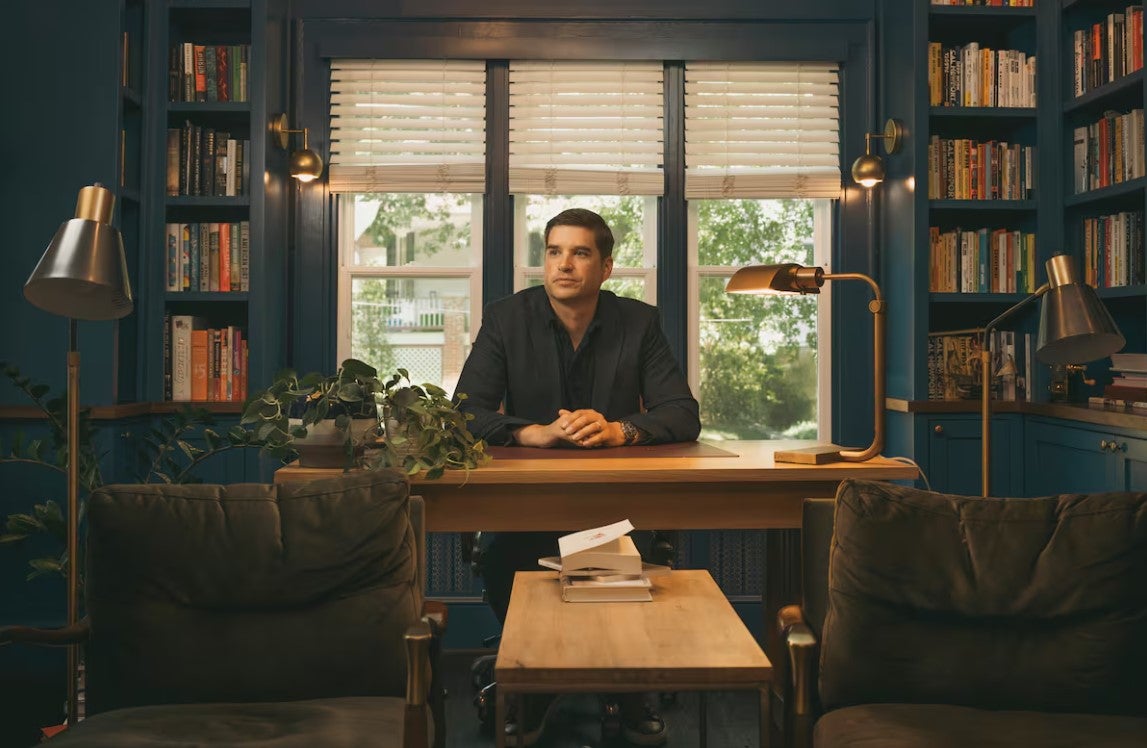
[484, 702]
[610, 720]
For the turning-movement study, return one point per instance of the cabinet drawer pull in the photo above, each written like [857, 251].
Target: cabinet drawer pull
[939, 429]
[1103, 445]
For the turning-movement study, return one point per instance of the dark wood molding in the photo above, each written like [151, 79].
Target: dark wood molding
[126, 410]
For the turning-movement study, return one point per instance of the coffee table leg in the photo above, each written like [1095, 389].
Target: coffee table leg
[499, 717]
[703, 718]
[766, 716]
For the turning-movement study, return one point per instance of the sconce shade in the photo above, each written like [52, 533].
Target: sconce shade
[1074, 325]
[305, 165]
[868, 170]
[770, 279]
[83, 272]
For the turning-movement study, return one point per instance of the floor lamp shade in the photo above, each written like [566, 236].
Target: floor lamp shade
[83, 272]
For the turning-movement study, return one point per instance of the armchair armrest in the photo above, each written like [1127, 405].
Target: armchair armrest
[800, 687]
[418, 679]
[76, 633]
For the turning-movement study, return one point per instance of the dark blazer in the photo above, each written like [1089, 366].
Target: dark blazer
[514, 361]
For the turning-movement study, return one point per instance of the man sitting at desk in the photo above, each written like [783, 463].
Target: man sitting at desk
[571, 366]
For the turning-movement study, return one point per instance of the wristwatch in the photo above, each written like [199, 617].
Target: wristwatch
[629, 432]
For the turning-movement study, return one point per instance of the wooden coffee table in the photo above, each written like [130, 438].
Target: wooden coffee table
[688, 639]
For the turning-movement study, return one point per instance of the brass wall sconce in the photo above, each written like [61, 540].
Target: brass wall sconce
[794, 278]
[868, 170]
[305, 165]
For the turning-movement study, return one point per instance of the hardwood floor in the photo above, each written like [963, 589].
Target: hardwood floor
[575, 720]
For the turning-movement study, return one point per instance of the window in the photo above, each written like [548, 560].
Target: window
[761, 168]
[761, 160]
[408, 167]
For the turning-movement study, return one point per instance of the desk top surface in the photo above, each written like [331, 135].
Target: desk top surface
[688, 636]
[749, 461]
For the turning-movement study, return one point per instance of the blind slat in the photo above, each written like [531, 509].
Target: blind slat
[408, 126]
[586, 128]
[761, 130]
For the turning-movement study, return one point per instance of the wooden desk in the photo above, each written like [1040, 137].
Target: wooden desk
[745, 491]
[688, 639]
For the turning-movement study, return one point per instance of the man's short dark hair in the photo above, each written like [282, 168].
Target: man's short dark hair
[587, 219]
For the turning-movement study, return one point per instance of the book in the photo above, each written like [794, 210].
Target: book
[608, 548]
[182, 326]
[588, 591]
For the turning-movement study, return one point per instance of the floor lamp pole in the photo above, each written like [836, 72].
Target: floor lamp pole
[73, 516]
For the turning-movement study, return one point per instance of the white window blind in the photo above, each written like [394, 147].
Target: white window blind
[408, 126]
[586, 128]
[761, 130]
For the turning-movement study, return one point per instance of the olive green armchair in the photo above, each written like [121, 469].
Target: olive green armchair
[934, 620]
[269, 615]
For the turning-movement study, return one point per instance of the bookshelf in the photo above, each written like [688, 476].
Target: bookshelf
[207, 259]
[1104, 193]
[133, 111]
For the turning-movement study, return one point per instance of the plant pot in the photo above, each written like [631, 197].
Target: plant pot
[324, 446]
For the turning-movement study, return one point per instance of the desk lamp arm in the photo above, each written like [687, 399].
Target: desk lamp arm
[878, 307]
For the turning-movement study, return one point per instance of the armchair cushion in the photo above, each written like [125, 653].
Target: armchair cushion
[331, 723]
[249, 593]
[1020, 604]
[945, 726]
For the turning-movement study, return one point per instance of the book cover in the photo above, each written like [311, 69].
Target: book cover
[607, 547]
[199, 347]
[182, 327]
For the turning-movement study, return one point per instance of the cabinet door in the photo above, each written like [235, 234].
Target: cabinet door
[954, 455]
[1131, 464]
[1062, 459]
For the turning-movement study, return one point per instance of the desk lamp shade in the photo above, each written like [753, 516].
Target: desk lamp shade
[83, 272]
[1074, 325]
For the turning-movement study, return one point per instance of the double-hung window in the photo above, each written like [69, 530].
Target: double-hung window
[408, 165]
[762, 165]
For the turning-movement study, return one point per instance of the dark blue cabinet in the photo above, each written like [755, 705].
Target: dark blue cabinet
[954, 455]
[1067, 458]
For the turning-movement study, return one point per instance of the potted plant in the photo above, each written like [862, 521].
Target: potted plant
[363, 420]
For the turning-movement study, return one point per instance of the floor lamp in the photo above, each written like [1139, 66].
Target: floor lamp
[794, 278]
[82, 275]
[1074, 328]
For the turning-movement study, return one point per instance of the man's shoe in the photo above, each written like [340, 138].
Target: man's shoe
[525, 732]
[641, 724]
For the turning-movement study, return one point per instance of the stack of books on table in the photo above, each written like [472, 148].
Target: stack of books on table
[602, 564]
[1129, 378]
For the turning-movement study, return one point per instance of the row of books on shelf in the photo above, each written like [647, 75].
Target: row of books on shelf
[981, 261]
[974, 76]
[1108, 151]
[203, 364]
[207, 72]
[1107, 50]
[208, 256]
[989, 3]
[955, 365]
[1113, 250]
[205, 162]
[965, 169]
